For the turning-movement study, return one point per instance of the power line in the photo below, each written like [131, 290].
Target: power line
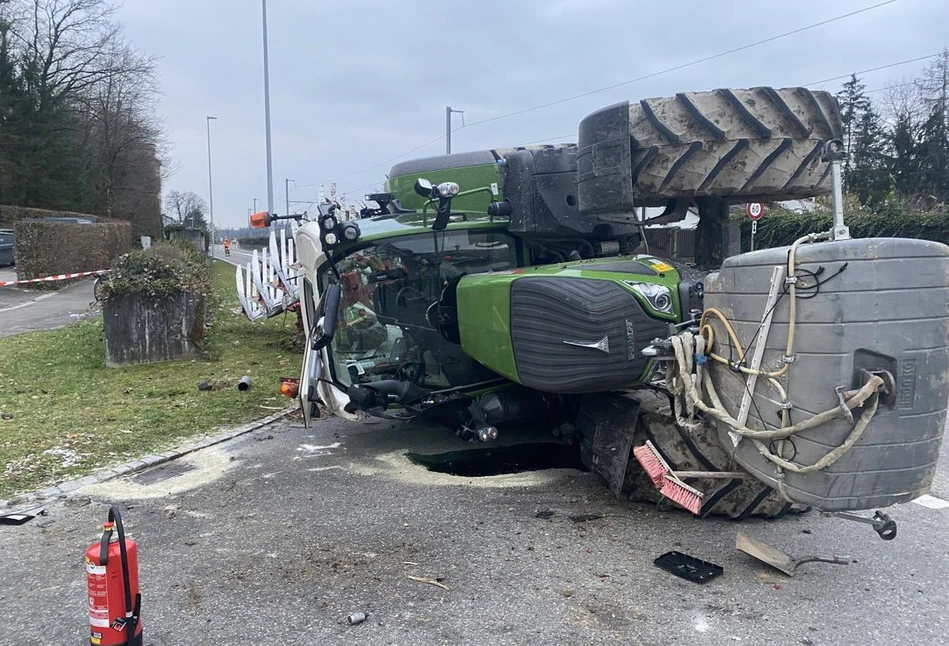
[874, 69]
[890, 87]
[545, 139]
[684, 65]
[616, 85]
[374, 166]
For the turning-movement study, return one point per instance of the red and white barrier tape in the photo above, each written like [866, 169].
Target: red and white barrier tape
[49, 279]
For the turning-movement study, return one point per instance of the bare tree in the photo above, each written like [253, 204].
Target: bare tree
[187, 207]
[77, 106]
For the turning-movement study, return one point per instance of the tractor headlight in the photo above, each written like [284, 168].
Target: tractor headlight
[447, 189]
[350, 232]
[658, 296]
[329, 223]
[330, 239]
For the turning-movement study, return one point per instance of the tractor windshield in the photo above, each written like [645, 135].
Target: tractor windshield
[396, 315]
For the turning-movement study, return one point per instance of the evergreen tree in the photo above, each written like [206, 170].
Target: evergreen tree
[933, 149]
[853, 104]
[869, 174]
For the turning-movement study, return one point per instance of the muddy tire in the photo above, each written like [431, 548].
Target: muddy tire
[756, 145]
[737, 499]
[760, 144]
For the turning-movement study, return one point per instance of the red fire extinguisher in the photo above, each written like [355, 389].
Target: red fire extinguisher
[115, 603]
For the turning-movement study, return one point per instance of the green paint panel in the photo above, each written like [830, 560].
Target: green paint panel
[484, 320]
[665, 274]
[467, 177]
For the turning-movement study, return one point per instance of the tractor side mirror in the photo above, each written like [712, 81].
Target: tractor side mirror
[330, 314]
[260, 220]
[423, 187]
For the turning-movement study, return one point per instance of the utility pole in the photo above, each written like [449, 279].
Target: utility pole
[210, 185]
[256, 199]
[270, 208]
[286, 188]
[448, 112]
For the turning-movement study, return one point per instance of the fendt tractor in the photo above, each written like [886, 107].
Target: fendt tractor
[506, 286]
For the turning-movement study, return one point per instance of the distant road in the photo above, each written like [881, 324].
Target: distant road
[23, 311]
[238, 256]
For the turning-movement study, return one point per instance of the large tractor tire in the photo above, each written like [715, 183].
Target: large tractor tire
[756, 145]
[647, 416]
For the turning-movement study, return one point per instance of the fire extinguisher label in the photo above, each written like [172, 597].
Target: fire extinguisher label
[98, 595]
[92, 568]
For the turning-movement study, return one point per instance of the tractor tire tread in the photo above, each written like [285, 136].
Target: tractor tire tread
[759, 144]
[736, 498]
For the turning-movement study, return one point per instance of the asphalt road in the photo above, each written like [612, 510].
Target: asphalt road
[276, 537]
[26, 311]
[238, 256]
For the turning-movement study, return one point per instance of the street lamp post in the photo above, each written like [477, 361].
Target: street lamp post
[448, 113]
[210, 185]
[267, 114]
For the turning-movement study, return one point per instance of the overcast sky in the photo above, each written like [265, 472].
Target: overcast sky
[354, 83]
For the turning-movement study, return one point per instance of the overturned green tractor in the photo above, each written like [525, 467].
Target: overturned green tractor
[503, 286]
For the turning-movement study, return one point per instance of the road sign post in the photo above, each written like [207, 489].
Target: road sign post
[755, 211]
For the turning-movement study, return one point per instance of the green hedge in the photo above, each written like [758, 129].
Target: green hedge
[164, 270]
[45, 248]
[780, 227]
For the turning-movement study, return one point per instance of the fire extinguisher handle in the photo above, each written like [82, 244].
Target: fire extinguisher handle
[132, 607]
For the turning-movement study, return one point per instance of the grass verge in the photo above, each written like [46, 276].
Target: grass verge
[71, 415]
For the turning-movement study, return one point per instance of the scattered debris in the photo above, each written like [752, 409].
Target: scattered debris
[413, 563]
[688, 567]
[6, 416]
[582, 518]
[221, 384]
[778, 559]
[78, 501]
[422, 579]
[204, 386]
[16, 518]
[544, 515]
[244, 383]
[357, 618]
[194, 595]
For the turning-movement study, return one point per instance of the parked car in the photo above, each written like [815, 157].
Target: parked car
[7, 247]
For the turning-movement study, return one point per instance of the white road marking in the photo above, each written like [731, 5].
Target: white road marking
[324, 468]
[311, 448]
[32, 301]
[932, 502]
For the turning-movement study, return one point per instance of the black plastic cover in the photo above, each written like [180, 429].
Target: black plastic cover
[688, 567]
[604, 163]
[541, 184]
[576, 335]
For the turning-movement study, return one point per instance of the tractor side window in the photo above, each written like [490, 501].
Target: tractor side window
[395, 292]
[309, 304]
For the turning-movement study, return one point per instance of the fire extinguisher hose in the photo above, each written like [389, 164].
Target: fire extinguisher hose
[132, 610]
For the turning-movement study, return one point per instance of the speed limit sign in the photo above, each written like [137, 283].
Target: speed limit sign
[755, 212]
